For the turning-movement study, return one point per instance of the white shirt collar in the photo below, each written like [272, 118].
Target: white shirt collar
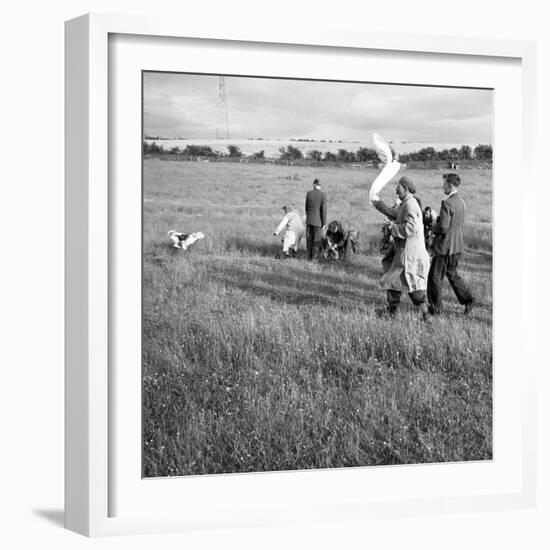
[453, 192]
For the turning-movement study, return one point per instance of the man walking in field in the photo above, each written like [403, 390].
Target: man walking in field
[316, 219]
[294, 233]
[410, 263]
[448, 246]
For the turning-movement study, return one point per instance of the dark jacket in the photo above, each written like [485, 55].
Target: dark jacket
[339, 234]
[448, 229]
[316, 208]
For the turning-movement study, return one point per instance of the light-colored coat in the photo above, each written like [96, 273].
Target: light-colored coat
[293, 222]
[295, 230]
[411, 263]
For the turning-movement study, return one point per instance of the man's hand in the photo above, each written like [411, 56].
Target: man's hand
[323, 227]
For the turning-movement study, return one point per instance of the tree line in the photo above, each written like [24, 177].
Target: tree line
[482, 153]
[464, 153]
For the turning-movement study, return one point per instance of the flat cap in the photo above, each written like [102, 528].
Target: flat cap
[407, 182]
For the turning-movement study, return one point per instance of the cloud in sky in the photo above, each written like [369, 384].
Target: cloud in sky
[188, 106]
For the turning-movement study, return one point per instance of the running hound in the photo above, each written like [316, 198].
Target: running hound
[184, 240]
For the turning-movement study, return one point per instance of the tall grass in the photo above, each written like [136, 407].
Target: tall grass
[257, 364]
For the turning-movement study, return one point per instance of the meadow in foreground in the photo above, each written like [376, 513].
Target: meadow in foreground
[256, 364]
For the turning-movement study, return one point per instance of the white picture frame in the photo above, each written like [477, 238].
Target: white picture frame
[93, 420]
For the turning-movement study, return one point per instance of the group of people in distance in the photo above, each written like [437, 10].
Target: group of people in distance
[412, 262]
[333, 241]
[407, 265]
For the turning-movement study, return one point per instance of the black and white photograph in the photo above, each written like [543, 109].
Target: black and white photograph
[317, 274]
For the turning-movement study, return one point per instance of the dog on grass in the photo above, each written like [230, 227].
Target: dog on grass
[184, 240]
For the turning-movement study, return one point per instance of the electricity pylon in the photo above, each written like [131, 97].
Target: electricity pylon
[222, 127]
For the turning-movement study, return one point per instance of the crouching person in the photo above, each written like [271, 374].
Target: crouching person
[295, 231]
[410, 264]
[340, 241]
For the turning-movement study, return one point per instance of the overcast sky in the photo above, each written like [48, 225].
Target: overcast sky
[188, 106]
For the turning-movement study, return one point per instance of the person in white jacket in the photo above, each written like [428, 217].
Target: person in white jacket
[295, 231]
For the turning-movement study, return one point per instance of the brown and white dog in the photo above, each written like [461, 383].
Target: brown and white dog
[184, 240]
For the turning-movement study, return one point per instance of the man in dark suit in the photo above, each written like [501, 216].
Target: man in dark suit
[316, 219]
[448, 246]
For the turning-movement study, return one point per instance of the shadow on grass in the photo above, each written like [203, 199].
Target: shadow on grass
[250, 266]
[297, 282]
[267, 249]
[345, 286]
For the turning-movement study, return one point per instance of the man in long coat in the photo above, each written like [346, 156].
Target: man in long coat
[448, 246]
[410, 265]
[316, 219]
[387, 247]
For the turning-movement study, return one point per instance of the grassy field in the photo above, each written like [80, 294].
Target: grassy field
[257, 364]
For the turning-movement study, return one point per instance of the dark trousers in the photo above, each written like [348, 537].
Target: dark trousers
[441, 266]
[417, 297]
[314, 237]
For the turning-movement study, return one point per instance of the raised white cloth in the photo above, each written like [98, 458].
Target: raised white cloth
[389, 171]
